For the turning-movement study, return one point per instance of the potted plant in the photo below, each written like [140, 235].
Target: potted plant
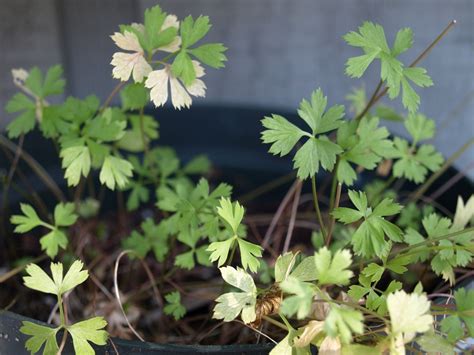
[180, 262]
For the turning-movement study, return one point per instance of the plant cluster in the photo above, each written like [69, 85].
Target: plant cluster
[350, 294]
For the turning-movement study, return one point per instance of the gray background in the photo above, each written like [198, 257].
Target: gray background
[279, 50]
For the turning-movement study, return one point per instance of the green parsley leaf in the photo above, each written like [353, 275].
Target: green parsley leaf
[368, 240]
[464, 313]
[342, 322]
[194, 30]
[52, 84]
[333, 269]
[414, 164]
[38, 280]
[403, 41]
[64, 215]
[77, 162]
[364, 144]
[299, 304]
[318, 149]
[174, 306]
[371, 39]
[419, 127]
[26, 121]
[211, 54]
[115, 172]
[283, 266]
[28, 221]
[249, 254]
[231, 213]
[40, 334]
[282, 134]
[134, 96]
[90, 330]
[220, 251]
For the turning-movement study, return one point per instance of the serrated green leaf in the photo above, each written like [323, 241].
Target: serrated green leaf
[232, 213]
[64, 215]
[281, 134]
[284, 265]
[40, 335]
[420, 127]
[52, 241]
[77, 162]
[183, 68]
[368, 239]
[211, 54]
[134, 96]
[174, 306]
[305, 270]
[300, 303]
[332, 269]
[193, 30]
[27, 221]
[249, 254]
[342, 322]
[115, 172]
[38, 280]
[220, 251]
[403, 41]
[88, 331]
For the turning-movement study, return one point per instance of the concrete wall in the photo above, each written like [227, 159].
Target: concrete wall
[279, 50]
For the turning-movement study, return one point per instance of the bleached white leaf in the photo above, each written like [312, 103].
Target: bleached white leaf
[171, 21]
[158, 81]
[409, 314]
[129, 64]
[19, 76]
[464, 213]
[179, 96]
[310, 331]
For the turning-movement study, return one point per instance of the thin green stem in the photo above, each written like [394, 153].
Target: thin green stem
[316, 207]
[333, 219]
[410, 249]
[232, 252]
[333, 186]
[62, 316]
[114, 92]
[372, 100]
[275, 322]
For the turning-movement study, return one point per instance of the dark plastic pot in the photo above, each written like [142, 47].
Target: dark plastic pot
[231, 138]
[12, 342]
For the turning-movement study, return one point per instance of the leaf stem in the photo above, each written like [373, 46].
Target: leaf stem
[333, 219]
[316, 206]
[112, 95]
[333, 186]
[372, 100]
[62, 316]
[275, 322]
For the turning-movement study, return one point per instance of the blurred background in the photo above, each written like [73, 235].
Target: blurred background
[279, 51]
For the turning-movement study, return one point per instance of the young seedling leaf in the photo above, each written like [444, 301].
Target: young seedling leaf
[88, 331]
